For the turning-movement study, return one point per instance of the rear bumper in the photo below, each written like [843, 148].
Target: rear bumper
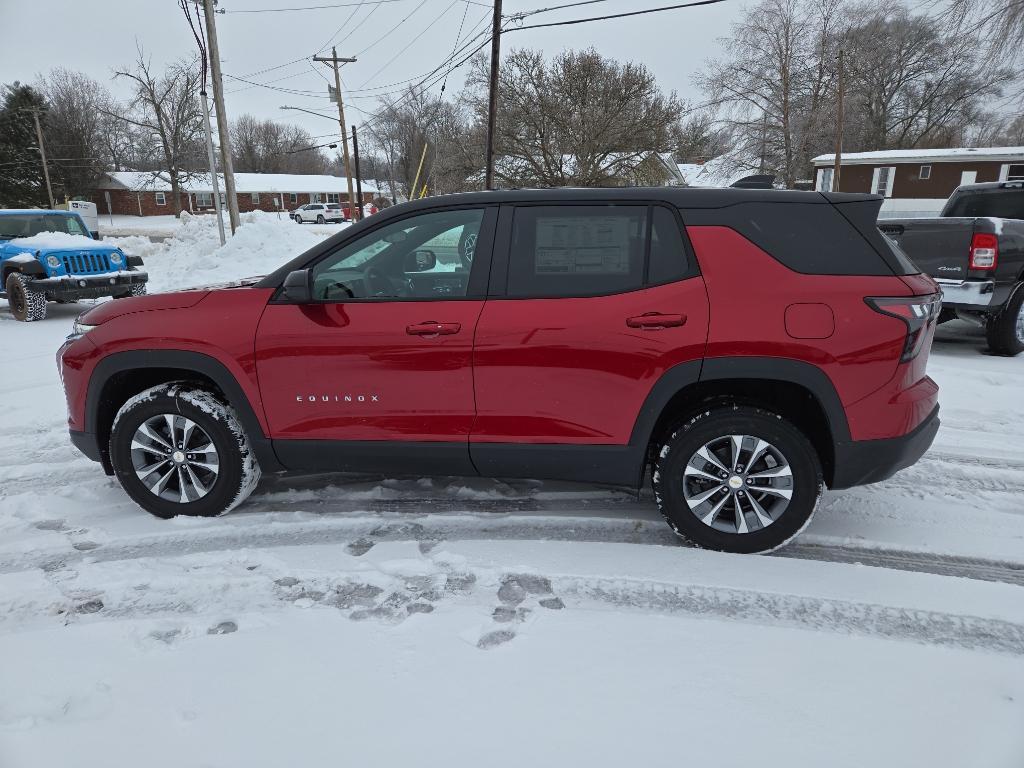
[90, 286]
[967, 293]
[860, 462]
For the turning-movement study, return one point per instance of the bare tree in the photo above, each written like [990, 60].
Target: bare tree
[699, 137]
[166, 109]
[75, 127]
[580, 119]
[263, 146]
[1002, 21]
[775, 86]
[400, 130]
[912, 84]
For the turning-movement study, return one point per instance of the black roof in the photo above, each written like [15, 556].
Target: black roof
[682, 197]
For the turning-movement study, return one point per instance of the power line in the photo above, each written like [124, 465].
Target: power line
[524, 14]
[417, 37]
[315, 7]
[394, 28]
[618, 15]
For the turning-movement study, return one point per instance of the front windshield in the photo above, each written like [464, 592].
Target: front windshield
[29, 224]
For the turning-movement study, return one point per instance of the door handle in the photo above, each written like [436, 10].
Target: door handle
[433, 328]
[655, 320]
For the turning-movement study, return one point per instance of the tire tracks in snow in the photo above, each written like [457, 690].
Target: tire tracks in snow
[400, 521]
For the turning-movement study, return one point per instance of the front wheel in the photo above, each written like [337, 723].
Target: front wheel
[177, 449]
[1004, 330]
[737, 479]
[27, 304]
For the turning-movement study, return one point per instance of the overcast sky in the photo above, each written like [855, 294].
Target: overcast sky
[95, 36]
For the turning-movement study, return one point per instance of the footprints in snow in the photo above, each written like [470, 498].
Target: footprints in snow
[515, 590]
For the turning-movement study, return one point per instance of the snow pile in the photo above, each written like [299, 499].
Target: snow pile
[136, 245]
[195, 257]
[58, 240]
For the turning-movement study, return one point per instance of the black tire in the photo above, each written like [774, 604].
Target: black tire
[321, 220]
[297, 218]
[136, 289]
[789, 449]
[237, 469]
[26, 303]
[1004, 329]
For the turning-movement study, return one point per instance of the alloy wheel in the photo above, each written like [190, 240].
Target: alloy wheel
[738, 484]
[174, 458]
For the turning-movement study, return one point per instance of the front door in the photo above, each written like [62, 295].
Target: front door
[383, 353]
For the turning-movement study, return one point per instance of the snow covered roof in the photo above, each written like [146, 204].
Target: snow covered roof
[722, 171]
[245, 183]
[956, 154]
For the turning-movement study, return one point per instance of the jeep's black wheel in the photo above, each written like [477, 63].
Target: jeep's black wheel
[1004, 329]
[179, 450]
[737, 479]
[27, 304]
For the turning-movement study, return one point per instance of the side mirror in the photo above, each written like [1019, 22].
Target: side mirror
[298, 286]
[420, 261]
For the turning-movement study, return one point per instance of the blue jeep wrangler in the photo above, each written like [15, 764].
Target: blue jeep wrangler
[50, 256]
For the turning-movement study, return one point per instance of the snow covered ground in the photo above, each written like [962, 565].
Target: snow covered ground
[452, 621]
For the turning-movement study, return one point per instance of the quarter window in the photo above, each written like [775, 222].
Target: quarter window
[577, 250]
[668, 261]
[1015, 173]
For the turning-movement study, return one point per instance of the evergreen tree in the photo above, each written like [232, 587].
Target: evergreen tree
[21, 174]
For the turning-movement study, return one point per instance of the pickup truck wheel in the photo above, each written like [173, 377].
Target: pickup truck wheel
[177, 449]
[1004, 329]
[737, 479]
[27, 304]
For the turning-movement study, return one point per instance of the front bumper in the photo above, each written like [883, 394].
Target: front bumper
[967, 293]
[861, 462]
[90, 286]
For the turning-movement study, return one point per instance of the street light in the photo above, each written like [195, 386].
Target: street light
[310, 112]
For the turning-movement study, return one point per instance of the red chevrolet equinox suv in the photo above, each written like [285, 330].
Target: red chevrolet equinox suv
[749, 346]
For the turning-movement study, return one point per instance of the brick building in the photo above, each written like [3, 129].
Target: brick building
[917, 182]
[141, 193]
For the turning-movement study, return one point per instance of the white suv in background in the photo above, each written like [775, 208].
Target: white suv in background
[321, 213]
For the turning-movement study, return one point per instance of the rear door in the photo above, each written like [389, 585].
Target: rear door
[589, 306]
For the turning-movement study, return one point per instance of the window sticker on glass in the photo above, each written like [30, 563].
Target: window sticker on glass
[573, 245]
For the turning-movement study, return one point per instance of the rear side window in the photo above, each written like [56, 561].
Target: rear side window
[668, 261]
[1004, 203]
[811, 238]
[577, 250]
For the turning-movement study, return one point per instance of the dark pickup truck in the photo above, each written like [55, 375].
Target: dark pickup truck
[975, 251]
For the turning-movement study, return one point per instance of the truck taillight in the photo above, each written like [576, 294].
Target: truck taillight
[918, 312]
[984, 251]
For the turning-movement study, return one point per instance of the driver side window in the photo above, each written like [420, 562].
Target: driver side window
[428, 256]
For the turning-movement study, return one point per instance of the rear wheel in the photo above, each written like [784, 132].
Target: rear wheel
[27, 304]
[737, 479]
[321, 220]
[179, 450]
[1004, 329]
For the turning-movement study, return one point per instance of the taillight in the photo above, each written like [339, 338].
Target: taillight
[984, 251]
[918, 312]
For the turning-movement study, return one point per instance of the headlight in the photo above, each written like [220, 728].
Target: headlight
[53, 262]
[79, 329]
[115, 258]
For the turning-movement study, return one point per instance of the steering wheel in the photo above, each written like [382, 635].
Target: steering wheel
[378, 283]
[340, 287]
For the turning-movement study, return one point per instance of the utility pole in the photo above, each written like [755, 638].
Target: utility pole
[359, 179]
[213, 164]
[42, 152]
[492, 100]
[222, 115]
[334, 61]
[839, 126]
